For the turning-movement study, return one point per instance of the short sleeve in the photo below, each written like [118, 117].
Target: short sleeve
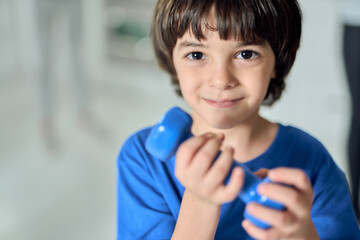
[142, 212]
[333, 214]
[332, 211]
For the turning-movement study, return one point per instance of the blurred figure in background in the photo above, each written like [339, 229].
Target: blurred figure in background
[48, 11]
[351, 41]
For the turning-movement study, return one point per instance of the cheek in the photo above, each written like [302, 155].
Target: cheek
[257, 77]
[187, 88]
[257, 82]
[188, 79]
[266, 74]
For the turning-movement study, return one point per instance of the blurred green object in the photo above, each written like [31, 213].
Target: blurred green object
[132, 28]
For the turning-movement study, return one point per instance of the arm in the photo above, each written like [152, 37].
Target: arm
[203, 181]
[198, 219]
[142, 212]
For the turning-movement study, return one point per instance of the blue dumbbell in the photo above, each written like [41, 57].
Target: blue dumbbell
[174, 128]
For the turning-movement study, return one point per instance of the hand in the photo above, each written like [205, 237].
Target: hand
[295, 221]
[200, 176]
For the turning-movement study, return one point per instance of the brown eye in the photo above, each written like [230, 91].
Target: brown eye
[247, 54]
[196, 56]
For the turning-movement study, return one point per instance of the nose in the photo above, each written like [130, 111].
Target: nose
[222, 77]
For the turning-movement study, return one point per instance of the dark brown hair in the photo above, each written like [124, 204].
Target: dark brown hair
[252, 21]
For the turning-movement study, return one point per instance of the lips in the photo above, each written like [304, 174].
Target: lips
[223, 103]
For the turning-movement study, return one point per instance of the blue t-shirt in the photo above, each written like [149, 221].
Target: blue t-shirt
[149, 195]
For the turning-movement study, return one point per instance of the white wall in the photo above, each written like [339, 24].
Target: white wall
[70, 193]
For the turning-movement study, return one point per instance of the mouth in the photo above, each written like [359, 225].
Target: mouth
[223, 103]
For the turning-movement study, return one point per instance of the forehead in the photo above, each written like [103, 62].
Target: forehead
[212, 40]
[228, 24]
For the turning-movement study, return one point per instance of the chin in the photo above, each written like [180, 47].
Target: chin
[223, 124]
[221, 120]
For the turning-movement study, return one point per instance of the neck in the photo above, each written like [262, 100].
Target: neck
[249, 139]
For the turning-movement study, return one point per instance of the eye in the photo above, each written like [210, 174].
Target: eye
[196, 56]
[247, 55]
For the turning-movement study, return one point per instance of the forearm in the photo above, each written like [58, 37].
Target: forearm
[197, 219]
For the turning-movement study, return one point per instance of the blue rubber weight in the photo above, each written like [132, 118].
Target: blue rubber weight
[174, 128]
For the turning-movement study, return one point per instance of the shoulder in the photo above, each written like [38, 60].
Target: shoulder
[137, 138]
[303, 145]
[134, 161]
[300, 139]
[133, 147]
[309, 153]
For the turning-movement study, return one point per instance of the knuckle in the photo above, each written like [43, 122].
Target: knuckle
[204, 155]
[184, 147]
[302, 215]
[303, 178]
[283, 219]
[229, 195]
[294, 197]
[221, 170]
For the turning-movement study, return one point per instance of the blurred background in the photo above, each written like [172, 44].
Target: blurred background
[78, 76]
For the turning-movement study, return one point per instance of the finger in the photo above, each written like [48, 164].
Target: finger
[221, 167]
[275, 218]
[187, 151]
[295, 201]
[206, 155]
[259, 233]
[229, 192]
[299, 180]
[291, 176]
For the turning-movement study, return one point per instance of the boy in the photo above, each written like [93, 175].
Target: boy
[227, 58]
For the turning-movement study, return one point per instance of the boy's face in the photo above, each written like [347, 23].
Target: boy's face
[223, 81]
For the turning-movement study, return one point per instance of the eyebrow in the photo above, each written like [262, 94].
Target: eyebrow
[187, 43]
[245, 44]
